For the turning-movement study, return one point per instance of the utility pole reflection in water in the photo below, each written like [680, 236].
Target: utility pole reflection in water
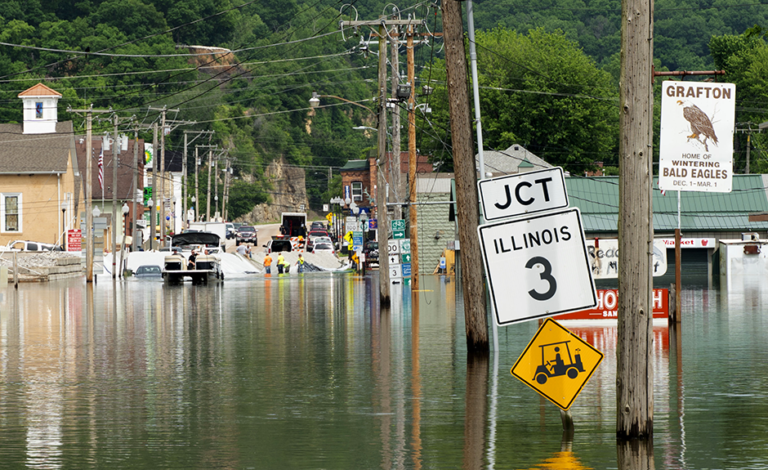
[415, 382]
[475, 409]
[635, 455]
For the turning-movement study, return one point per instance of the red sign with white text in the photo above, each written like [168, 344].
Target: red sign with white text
[608, 306]
[74, 240]
[690, 242]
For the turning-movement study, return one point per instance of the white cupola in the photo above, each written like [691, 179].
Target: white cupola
[40, 109]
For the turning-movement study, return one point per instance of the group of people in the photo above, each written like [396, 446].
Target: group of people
[283, 266]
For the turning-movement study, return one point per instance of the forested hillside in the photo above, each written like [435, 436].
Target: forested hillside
[549, 71]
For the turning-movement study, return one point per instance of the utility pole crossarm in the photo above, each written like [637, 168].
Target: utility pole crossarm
[383, 22]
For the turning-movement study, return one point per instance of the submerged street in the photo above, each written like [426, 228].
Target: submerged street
[302, 372]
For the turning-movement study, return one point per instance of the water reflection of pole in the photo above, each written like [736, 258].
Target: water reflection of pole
[475, 409]
[676, 344]
[415, 382]
[494, 399]
[635, 454]
[382, 373]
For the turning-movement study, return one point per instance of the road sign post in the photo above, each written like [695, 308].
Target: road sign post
[537, 266]
[557, 364]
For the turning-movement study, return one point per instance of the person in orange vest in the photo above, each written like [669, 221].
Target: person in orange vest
[268, 264]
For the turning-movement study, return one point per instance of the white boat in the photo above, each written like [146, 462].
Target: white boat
[207, 266]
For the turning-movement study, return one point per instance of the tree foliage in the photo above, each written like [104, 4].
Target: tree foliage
[541, 91]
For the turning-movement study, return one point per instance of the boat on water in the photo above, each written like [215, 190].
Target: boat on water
[206, 267]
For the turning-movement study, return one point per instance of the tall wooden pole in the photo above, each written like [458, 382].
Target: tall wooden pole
[135, 184]
[115, 150]
[466, 178]
[381, 198]
[152, 211]
[197, 185]
[89, 231]
[412, 162]
[634, 376]
[184, 186]
[394, 164]
[162, 180]
[208, 199]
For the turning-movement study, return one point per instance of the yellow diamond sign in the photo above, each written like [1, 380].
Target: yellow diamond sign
[557, 364]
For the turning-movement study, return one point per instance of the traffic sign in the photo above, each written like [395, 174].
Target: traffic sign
[393, 247]
[329, 217]
[398, 224]
[398, 234]
[405, 246]
[406, 269]
[525, 193]
[696, 138]
[406, 257]
[395, 272]
[357, 238]
[545, 258]
[557, 364]
[373, 224]
[394, 259]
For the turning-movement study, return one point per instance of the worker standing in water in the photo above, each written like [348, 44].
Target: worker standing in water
[268, 264]
[300, 263]
[280, 263]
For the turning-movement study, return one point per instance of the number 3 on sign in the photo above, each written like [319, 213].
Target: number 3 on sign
[545, 275]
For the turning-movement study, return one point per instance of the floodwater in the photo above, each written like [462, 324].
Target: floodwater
[302, 372]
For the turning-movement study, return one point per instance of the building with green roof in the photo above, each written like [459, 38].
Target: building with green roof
[702, 214]
[705, 216]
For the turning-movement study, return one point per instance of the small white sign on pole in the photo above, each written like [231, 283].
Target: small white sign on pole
[395, 272]
[537, 266]
[604, 258]
[393, 247]
[696, 138]
[525, 193]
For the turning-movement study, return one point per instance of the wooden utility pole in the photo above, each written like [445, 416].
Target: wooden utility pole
[414, 235]
[152, 212]
[381, 199]
[197, 184]
[184, 175]
[466, 178]
[634, 376]
[394, 163]
[135, 184]
[115, 150]
[90, 232]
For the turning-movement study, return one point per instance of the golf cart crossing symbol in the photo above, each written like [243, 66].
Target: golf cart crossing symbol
[557, 364]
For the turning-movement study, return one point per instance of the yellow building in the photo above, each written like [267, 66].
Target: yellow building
[40, 189]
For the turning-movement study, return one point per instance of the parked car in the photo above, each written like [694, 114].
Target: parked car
[314, 234]
[323, 246]
[149, 271]
[371, 250]
[230, 230]
[23, 245]
[317, 226]
[246, 233]
[276, 245]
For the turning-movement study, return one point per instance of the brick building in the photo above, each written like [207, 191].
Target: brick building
[358, 178]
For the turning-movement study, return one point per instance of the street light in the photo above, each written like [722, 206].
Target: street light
[63, 222]
[96, 212]
[314, 102]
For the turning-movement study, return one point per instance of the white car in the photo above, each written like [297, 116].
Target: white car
[23, 245]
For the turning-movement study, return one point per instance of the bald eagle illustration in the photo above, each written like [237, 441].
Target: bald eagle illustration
[700, 123]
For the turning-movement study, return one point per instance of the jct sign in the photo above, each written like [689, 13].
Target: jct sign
[696, 139]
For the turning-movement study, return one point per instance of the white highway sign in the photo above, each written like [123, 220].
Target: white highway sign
[696, 138]
[537, 266]
[526, 193]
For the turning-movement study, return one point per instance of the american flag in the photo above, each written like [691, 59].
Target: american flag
[101, 170]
